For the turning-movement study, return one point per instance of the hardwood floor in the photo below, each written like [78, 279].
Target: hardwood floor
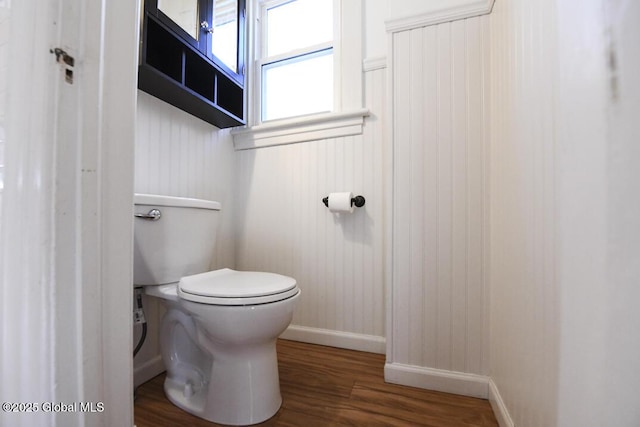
[325, 386]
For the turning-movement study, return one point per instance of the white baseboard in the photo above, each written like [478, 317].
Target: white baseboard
[437, 379]
[149, 369]
[498, 406]
[348, 340]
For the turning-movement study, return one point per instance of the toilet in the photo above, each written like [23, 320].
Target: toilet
[218, 336]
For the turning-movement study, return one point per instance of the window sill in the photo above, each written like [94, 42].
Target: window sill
[300, 129]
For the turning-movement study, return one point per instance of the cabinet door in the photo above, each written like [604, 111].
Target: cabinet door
[184, 13]
[183, 17]
[214, 27]
[225, 37]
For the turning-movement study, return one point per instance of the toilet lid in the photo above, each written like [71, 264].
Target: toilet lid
[230, 287]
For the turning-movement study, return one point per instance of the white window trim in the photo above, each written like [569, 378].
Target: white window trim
[349, 112]
[300, 129]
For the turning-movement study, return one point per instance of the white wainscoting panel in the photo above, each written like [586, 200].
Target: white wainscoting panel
[524, 295]
[440, 143]
[180, 155]
[283, 227]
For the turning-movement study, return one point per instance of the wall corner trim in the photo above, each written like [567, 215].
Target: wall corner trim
[438, 16]
[437, 379]
[498, 406]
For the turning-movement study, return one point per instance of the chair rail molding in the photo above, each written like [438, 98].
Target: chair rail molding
[438, 12]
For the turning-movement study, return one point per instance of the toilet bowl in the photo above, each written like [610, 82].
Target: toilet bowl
[219, 333]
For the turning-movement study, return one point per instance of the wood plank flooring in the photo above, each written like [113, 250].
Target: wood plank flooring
[325, 386]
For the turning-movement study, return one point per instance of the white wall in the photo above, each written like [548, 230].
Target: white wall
[284, 227]
[439, 317]
[375, 42]
[598, 104]
[564, 225]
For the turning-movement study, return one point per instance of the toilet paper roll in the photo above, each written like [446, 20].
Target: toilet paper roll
[340, 202]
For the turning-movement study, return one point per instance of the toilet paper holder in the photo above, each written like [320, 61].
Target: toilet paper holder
[357, 201]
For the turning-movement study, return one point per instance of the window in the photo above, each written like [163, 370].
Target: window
[305, 73]
[295, 58]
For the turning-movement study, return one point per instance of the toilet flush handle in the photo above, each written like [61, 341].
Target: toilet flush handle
[152, 215]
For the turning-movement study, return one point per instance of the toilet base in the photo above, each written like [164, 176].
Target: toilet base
[221, 361]
[244, 387]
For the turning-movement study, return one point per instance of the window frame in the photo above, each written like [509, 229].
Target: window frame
[347, 117]
[261, 59]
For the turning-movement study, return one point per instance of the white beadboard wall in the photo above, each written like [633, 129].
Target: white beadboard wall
[524, 295]
[439, 318]
[338, 260]
[180, 155]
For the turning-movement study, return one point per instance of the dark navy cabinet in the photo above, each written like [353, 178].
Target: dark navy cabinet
[193, 57]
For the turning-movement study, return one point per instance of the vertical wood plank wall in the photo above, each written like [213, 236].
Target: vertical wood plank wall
[180, 155]
[439, 317]
[524, 292]
[337, 260]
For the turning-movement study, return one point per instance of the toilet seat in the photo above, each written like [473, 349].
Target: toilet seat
[230, 287]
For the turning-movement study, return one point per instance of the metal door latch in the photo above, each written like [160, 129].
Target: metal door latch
[67, 60]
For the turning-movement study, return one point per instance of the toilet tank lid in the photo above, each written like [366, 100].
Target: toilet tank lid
[171, 201]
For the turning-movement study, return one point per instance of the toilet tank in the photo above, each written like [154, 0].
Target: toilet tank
[178, 243]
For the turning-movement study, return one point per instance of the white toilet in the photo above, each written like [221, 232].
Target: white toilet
[218, 337]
